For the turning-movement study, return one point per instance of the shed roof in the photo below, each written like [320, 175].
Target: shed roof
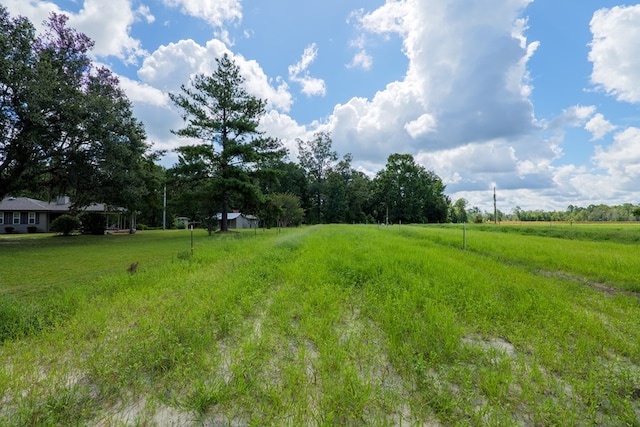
[230, 215]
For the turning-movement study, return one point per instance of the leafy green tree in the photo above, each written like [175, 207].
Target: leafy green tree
[409, 192]
[459, 211]
[65, 125]
[337, 189]
[474, 214]
[190, 184]
[290, 211]
[317, 158]
[292, 180]
[336, 203]
[359, 198]
[108, 165]
[152, 203]
[19, 125]
[93, 223]
[220, 112]
[65, 224]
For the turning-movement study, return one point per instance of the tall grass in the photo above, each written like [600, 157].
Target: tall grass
[331, 325]
[591, 258]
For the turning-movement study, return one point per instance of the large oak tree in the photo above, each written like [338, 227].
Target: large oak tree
[65, 125]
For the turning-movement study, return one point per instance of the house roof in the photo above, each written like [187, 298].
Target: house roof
[25, 204]
[230, 215]
[234, 215]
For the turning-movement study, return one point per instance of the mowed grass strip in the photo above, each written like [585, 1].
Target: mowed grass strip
[331, 325]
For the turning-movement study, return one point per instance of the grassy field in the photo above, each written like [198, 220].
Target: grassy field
[327, 325]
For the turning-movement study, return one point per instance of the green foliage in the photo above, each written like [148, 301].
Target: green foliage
[409, 193]
[66, 126]
[65, 224]
[317, 159]
[289, 210]
[591, 213]
[459, 211]
[93, 223]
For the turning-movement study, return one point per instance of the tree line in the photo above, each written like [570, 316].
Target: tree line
[236, 166]
[626, 212]
[591, 213]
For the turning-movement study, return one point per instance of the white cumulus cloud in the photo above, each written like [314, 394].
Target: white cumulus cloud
[298, 73]
[599, 126]
[421, 126]
[361, 60]
[145, 13]
[215, 12]
[574, 116]
[108, 24]
[466, 83]
[174, 64]
[622, 158]
[615, 52]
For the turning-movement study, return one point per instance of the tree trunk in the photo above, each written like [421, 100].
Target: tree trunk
[224, 223]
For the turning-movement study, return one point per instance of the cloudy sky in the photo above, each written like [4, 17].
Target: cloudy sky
[539, 98]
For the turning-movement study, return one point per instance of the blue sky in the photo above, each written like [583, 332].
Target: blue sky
[538, 98]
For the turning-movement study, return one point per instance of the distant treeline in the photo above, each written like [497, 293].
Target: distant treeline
[592, 213]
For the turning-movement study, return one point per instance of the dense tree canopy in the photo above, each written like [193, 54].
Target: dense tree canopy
[317, 159]
[407, 192]
[65, 125]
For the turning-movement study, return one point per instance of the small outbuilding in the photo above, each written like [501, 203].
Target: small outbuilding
[239, 220]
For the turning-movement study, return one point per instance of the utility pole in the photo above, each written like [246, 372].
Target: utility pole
[164, 211]
[495, 208]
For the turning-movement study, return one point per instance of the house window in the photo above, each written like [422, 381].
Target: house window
[32, 217]
[1, 218]
[16, 217]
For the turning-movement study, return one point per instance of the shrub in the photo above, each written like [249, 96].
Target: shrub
[65, 224]
[32, 229]
[9, 229]
[93, 223]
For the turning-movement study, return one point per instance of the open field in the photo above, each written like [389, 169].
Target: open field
[327, 325]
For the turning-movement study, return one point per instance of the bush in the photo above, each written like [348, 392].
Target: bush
[65, 224]
[9, 230]
[93, 223]
[32, 229]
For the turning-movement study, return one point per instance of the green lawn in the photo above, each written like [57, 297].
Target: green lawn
[326, 325]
